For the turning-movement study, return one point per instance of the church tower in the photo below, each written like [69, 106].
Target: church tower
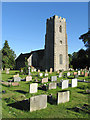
[56, 48]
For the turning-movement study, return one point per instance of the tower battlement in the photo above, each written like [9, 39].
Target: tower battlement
[57, 17]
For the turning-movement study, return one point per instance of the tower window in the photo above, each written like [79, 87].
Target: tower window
[60, 28]
[60, 58]
[60, 42]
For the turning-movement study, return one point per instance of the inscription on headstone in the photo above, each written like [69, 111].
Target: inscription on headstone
[53, 78]
[38, 102]
[33, 88]
[52, 85]
[64, 84]
[74, 83]
[62, 97]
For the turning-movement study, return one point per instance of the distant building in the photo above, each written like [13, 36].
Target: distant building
[55, 53]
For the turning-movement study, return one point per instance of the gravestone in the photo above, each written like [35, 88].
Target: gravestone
[53, 78]
[29, 71]
[82, 73]
[16, 75]
[74, 83]
[34, 70]
[86, 74]
[38, 70]
[17, 79]
[58, 71]
[63, 97]
[29, 78]
[46, 71]
[64, 84]
[78, 72]
[75, 73]
[33, 88]
[52, 85]
[7, 70]
[6, 83]
[50, 70]
[44, 80]
[15, 84]
[46, 74]
[38, 102]
[68, 74]
[21, 70]
[41, 74]
[60, 75]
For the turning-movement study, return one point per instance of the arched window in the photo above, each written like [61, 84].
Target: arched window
[60, 58]
[60, 28]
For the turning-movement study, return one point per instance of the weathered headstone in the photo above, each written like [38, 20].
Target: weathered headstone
[82, 73]
[75, 73]
[46, 71]
[78, 72]
[63, 97]
[38, 102]
[60, 75]
[74, 83]
[53, 78]
[16, 75]
[38, 70]
[17, 79]
[68, 74]
[46, 74]
[29, 78]
[7, 70]
[45, 80]
[33, 88]
[15, 84]
[86, 74]
[29, 71]
[34, 70]
[52, 85]
[64, 84]
[41, 74]
[50, 70]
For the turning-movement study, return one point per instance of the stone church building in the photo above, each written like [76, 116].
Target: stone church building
[55, 53]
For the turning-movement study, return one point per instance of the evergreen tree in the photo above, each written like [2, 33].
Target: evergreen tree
[8, 56]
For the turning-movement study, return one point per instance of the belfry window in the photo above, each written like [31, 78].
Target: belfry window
[60, 59]
[60, 28]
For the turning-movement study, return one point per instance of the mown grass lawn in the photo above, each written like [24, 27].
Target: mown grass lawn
[13, 95]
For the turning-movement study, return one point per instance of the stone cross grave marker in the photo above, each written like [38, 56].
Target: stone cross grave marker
[53, 78]
[63, 97]
[74, 83]
[64, 84]
[33, 88]
[52, 85]
[38, 102]
[29, 78]
[44, 80]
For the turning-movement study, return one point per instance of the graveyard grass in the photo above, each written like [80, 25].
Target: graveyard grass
[13, 108]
